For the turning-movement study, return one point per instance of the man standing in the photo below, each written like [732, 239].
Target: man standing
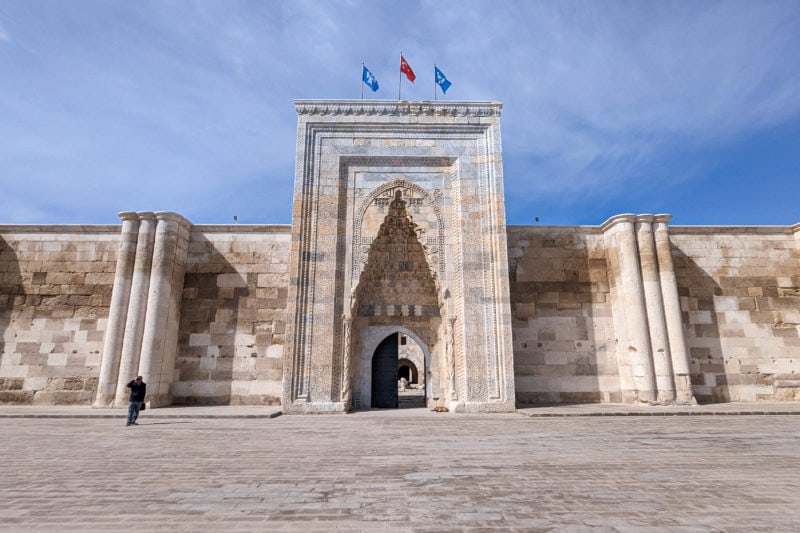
[138, 390]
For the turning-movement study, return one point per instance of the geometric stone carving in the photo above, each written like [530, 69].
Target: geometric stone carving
[430, 174]
[421, 205]
[397, 274]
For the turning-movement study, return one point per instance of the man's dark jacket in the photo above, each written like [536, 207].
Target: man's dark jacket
[138, 391]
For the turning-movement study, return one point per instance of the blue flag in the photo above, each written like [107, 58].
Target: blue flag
[370, 80]
[441, 80]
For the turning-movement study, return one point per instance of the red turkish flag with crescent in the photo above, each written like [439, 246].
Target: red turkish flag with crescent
[405, 68]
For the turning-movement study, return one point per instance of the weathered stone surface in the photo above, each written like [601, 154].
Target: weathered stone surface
[403, 471]
[233, 318]
[729, 281]
[55, 283]
[399, 228]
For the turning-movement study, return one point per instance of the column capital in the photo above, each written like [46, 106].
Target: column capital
[662, 219]
[128, 215]
[625, 218]
[796, 229]
[172, 217]
[644, 218]
[146, 215]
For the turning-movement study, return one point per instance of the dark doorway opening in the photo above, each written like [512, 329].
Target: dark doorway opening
[407, 369]
[384, 373]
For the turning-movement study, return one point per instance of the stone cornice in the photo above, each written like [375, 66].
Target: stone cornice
[200, 229]
[628, 218]
[173, 217]
[59, 228]
[398, 108]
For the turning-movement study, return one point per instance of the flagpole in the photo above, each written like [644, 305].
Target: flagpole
[400, 84]
[362, 80]
[434, 82]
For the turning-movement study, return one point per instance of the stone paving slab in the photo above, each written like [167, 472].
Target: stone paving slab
[591, 409]
[82, 411]
[615, 409]
[402, 470]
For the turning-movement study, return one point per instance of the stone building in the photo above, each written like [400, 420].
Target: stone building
[399, 263]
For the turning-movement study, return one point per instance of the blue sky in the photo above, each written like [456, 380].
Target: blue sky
[689, 108]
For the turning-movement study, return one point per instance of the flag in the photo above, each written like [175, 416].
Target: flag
[441, 80]
[370, 80]
[405, 68]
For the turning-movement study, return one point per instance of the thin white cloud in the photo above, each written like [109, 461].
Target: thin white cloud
[4, 36]
[599, 89]
[188, 106]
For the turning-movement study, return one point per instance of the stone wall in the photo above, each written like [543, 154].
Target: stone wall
[55, 291]
[230, 346]
[739, 293]
[408, 351]
[562, 325]
[740, 297]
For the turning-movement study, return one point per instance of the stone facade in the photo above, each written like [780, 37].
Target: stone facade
[233, 316]
[564, 342]
[399, 228]
[740, 299]
[55, 292]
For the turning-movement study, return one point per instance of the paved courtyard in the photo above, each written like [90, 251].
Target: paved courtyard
[401, 470]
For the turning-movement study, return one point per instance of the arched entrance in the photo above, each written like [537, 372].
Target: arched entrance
[407, 370]
[396, 312]
[397, 369]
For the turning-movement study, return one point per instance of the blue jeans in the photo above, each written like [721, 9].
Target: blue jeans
[133, 411]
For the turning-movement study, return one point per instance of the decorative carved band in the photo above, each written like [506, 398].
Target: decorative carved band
[398, 108]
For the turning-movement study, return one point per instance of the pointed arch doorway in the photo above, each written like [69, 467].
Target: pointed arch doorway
[397, 300]
[398, 373]
[391, 353]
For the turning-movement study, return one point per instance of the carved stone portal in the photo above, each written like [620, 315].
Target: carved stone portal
[398, 226]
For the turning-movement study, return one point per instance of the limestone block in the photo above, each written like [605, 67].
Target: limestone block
[208, 363]
[556, 358]
[275, 351]
[12, 383]
[267, 388]
[726, 303]
[753, 393]
[756, 331]
[231, 280]
[737, 317]
[99, 278]
[62, 397]
[57, 359]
